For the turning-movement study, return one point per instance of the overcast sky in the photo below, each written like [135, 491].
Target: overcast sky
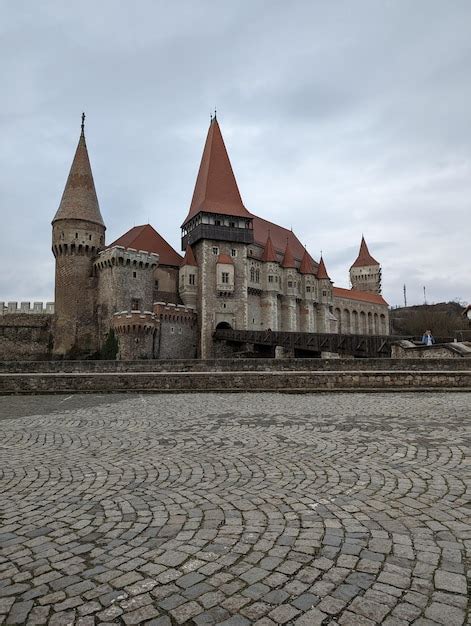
[340, 118]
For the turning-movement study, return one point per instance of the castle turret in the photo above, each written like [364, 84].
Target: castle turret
[326, 321]
[307, 321]
[78, 233]
[219, 228]
[365, 273]
[290, 291]
[188, 278]
[271, 285]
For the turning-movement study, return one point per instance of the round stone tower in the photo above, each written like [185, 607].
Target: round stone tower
[78, 233]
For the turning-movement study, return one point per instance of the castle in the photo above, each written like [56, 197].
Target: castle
[238, 271]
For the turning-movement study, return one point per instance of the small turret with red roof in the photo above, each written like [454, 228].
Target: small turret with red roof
[365, 273]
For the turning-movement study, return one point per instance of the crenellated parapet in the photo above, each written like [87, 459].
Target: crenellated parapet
[175, 313]
[136, 333]
[134, 322]
[37, 308]
[118, 256]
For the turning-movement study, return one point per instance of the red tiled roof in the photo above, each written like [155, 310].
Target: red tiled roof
[322, 271]
[364, 257]
[225, 259]
[79, 200]
[288, 258]
[216, 188]
[278, 235]
[146, 238]
[363, 296]
[306, 266]
[269, 255]
[189, 258]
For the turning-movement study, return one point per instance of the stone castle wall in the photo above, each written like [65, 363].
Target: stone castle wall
[213, 306]
[24, 336]
[125, 282]
[360, 318]
[178, 331]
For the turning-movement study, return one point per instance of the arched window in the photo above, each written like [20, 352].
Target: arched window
[252, 274]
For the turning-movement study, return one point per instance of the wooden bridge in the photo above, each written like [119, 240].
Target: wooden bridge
[308, 344]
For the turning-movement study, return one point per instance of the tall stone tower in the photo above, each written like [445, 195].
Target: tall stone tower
[365, 273]
[78, 233]
[218, 228]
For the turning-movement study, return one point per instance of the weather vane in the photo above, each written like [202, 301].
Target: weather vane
[83, 122]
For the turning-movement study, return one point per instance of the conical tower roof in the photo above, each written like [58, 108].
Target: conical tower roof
[79, 200]
[322, 271]
[306, 266]
[189, 258]
[364, 257]
[216, 188]
[288, 258]
[269, 254]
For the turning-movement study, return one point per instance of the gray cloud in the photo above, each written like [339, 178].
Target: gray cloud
[340, 119]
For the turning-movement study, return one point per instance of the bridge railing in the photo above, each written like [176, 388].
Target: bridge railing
[364, 345]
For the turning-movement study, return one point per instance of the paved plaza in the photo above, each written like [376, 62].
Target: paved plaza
[235, 509]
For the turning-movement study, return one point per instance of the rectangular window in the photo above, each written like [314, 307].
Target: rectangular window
[215, 250]
[225, 277]
[308, 289]
[191, 279]
[217, 222]
[290, 283]
[270, 279]
[135, 304]
[233, 252]
[324, 293]
[134, 274]
[232, 224]
[156, 284]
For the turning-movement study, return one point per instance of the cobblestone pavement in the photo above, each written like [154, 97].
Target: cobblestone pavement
[235, 509]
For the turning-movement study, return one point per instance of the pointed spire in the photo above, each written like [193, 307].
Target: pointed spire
[189, 258]
[364, 257]
[216, 188]
[269, 254]
[79, 200]
[322, 271]
[288, 258]
[306, 266]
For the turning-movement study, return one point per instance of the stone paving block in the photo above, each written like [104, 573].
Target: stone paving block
[445, 614]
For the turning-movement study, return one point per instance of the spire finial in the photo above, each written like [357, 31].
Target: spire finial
[215, 113]
[83, 123]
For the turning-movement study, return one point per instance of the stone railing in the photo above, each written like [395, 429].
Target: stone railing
[28, 308]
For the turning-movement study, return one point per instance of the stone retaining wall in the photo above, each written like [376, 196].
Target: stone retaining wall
[228, 365]
[300, 381]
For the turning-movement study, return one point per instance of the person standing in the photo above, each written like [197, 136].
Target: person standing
[427, 338]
